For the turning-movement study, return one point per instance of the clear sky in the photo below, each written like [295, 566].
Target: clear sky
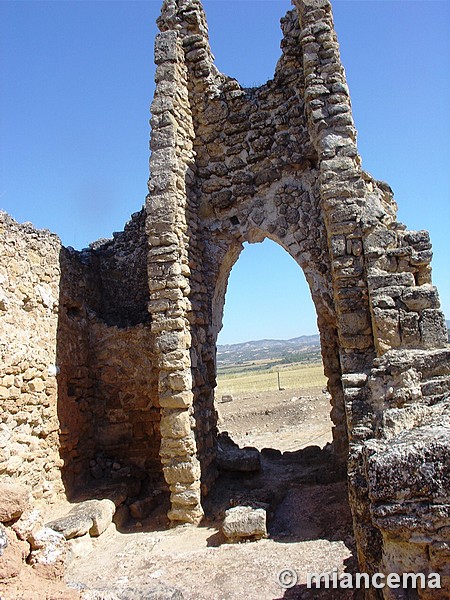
[76, 85]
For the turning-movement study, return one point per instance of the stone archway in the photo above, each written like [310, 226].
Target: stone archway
[230, 165]
[316, 281]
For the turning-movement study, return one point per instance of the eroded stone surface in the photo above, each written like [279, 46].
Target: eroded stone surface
[244, 523]
[31, 520]
[49, 553]
[108, 355]
[91, 516]
[14, 499]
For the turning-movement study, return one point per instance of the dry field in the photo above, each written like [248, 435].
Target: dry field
[264, 378]
[264, 416]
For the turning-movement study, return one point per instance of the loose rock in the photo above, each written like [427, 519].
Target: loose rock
[91, 516]
[14, 499]
[244, 523]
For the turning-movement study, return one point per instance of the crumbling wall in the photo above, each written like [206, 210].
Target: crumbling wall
[125, 402]
[241, 166]
[109, 353]
[231, 165]
[78, 384]
[29, 293]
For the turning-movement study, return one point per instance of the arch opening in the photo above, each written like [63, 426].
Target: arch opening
[250, 31]
[272, 400]
[271, 389]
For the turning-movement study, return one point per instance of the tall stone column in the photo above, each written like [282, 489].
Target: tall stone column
[168, 270]
[343, 194]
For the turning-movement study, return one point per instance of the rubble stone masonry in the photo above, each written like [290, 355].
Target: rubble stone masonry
[110, 353]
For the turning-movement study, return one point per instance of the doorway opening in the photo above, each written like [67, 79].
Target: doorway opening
[271, 389]
[274, 446]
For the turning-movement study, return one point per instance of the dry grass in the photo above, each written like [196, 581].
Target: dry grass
[292, 377]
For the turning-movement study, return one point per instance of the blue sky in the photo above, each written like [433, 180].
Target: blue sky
[76, 86]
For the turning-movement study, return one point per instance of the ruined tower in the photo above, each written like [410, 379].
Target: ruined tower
[111, 351]
[232, 165]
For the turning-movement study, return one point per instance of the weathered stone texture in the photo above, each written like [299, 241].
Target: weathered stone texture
[29, 276]
[109, 354]
[77, 358]
[244, 523]
[233, 165]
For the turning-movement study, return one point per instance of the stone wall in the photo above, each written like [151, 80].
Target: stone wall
[29, 276]
[231, 165]
[109, 354]
[78, 383]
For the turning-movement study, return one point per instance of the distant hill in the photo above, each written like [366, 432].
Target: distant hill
[295, 349]
[283, 350]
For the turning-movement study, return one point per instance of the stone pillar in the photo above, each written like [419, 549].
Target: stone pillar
[168, 270]
[343, 196]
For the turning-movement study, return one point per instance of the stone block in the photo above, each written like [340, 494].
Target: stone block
[355, 323]
[91, 516]
[420, 297]
[30, 521]
[180, 381]
[49, 552]
[181, 447]
[175, 423]
[181, 400]
[433, 329]
[186, 497]
[412, 466]
[245, 460]
[244, 523]
[182, 472]
[166, 47]
[75, 524]
[186, 514]
[387, 326]
[14, 499]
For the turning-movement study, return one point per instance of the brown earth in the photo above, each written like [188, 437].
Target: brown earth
[301, 488]
[286, 419]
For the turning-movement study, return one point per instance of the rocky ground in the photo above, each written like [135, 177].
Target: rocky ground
[302, 490]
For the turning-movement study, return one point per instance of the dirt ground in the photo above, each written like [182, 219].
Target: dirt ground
[286, 420]
[309, 523]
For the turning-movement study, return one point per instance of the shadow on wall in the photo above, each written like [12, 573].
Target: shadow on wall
[107, 384]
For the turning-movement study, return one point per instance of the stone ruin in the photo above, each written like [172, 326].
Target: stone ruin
[111, 351]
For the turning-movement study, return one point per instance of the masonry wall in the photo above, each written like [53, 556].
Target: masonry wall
[281, 161]
[79, 391]
[125, 402]
[29, 298]
[109, 354]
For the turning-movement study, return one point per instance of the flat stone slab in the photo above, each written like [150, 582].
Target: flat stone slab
[244, 523]
[91, 516]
